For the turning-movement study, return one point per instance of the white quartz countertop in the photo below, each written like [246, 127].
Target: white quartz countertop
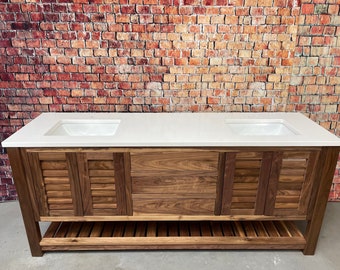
[177, 129]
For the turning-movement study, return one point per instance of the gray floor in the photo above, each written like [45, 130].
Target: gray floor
[15, 254]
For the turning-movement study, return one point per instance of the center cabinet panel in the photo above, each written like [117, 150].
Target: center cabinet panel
[174, 182]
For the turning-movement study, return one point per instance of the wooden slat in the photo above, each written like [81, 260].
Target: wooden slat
[184, 229]
[61, 206]
[141, 229]
[101, 180]
[62, 230]
[97, 229]
[55, 173]
[51, 155]
[173, 228]
[59, 193]
[103, 154]
[108, 229]
[238, 229]
[52, 229]
[216, 229]
[151, 229]
[53, 200]
[85, 230]
[271, 229]
[56, 180]
[195, 229]
[249, 229]
[260, 229]
[205, 229]
[74, 229]
[119, 229]
[103, 192]
[53, 165]
[227, 229]
[62, 212]
[282, 229]
[101, 173]
[101, 165]
[162, 229]
[129, 230]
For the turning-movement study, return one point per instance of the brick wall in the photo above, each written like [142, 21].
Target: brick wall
[166, 56]
[315, 82]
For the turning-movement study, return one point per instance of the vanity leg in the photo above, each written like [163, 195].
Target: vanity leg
[324, 176]
[31, 225]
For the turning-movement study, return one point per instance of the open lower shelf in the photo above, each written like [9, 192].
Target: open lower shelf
[172, 235]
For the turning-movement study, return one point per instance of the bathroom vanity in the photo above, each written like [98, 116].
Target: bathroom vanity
[113, 181]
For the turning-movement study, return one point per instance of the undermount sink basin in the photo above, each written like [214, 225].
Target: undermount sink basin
[261, 127]
[84, 127]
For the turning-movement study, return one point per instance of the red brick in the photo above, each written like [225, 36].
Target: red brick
[336, 61]
[307, 8]
[325, 19]
[317, 30]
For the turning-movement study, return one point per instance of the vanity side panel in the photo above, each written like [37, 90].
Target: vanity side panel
[324, 173]
[27, 204]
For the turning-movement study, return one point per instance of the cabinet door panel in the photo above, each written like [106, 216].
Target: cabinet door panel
[243, 188]
[103, 185]
[56, 183]
[295, 183]
[268, 183]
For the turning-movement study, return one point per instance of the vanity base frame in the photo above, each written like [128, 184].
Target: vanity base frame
[210, 214]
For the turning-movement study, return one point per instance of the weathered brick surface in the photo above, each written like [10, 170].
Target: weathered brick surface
[166, 56]
[314, 85]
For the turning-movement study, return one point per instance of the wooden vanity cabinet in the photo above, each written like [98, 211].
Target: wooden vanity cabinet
[173, 198]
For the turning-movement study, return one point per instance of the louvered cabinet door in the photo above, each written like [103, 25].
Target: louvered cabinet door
[245, 178]
[273, 183]
[103, 176]
[55, 181]
[290, 192]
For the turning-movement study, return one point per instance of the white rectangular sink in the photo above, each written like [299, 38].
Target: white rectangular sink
[261, 127]
[84, 127]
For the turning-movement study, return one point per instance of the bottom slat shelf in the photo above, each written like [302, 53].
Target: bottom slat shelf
[172, 235]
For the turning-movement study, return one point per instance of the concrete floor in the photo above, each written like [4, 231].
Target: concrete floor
[15, 254]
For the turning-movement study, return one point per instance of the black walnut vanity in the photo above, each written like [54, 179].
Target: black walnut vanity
[172, 181]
